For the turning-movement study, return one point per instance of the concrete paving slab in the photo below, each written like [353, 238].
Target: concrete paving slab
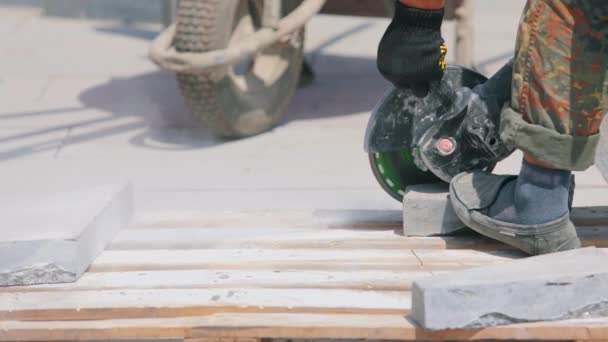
[17, 91]
[12, 18]
[126, 119]
[567, 285]
[199, 202]
[19, 143]
[591, 196]
[205, 173]
[75, 48]
[52, 238]
[291, 142]
[352, 43]
[335, 34]
[496, 23]
[153, 99]
[428, 212]
[345, 101]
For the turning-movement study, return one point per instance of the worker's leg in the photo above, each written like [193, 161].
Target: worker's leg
[558, 82]
[557, 105]
[554, 118]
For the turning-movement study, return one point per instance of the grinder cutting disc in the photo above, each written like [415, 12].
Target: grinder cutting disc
[391, 133]
[395, 171]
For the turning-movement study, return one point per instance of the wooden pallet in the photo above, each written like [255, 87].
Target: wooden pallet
[250, 276]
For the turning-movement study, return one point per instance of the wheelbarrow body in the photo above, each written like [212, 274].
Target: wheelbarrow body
[238, 62]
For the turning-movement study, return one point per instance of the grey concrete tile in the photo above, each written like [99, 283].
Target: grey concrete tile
[348, 45]
[213, 185]
[428, 212]
[75, 48]
[344, 35]
[151, 98]
[558, 286]
[338, 97]
[17, 92]
[496, 24]
[125, 138]
[30, 144]
[126, 119]
[41, 244]
[290, 157]
[293, 199]
[208, 172]
[13, 18]
[297, 138]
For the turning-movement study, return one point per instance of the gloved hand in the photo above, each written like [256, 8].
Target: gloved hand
[412, 52]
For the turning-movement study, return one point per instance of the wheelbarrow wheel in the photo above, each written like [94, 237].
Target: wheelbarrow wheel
[244, 99]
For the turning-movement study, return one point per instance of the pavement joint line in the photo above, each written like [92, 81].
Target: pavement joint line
[417, 257]
[63, 142]
[47, 85]
[25, 20]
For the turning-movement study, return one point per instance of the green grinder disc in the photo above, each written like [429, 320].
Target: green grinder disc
[396, 170]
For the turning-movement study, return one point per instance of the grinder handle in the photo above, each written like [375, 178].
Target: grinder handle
[420, 89]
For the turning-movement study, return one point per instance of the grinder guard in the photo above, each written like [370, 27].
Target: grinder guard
[401, 117]
[469, 139]
[454, 128]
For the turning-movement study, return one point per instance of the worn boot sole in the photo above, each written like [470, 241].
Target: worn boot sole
[558, 235]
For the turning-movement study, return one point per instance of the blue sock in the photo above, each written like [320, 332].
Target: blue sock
[538, 195]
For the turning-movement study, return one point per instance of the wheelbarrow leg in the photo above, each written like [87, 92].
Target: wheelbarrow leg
[168, 14]
[307, 76]
[272, 13]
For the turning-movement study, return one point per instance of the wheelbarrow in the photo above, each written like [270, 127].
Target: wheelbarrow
[238, 62]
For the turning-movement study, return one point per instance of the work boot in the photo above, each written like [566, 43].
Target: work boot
[530, 212]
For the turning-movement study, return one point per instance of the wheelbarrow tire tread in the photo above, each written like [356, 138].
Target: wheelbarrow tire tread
[211, 95]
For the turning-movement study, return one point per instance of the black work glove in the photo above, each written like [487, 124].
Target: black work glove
[412, 52]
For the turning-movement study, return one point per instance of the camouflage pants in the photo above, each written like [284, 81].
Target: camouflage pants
[559, 91]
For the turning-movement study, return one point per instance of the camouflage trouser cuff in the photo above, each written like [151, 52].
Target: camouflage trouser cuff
[562, 151]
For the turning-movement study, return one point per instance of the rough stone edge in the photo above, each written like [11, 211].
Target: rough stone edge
[120, 205]
[492, 319]
[37, 274]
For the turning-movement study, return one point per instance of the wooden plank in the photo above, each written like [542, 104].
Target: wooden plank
[386, 219]
[283, 238]
[590, 216]
[231, 279]
[445, 259]
[249, 259]
[594, 236]
[224, 339]
[295, 326]
[112, 304]
[310, 219]
[303, 260]
[199, 238]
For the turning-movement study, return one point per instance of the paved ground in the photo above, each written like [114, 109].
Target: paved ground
[81, 103]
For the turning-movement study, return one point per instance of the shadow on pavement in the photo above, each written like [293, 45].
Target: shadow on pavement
[353, 88]
[129, 31]
[343, 86]
[151, 106]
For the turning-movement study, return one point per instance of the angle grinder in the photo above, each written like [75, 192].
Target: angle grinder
[414, 138]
